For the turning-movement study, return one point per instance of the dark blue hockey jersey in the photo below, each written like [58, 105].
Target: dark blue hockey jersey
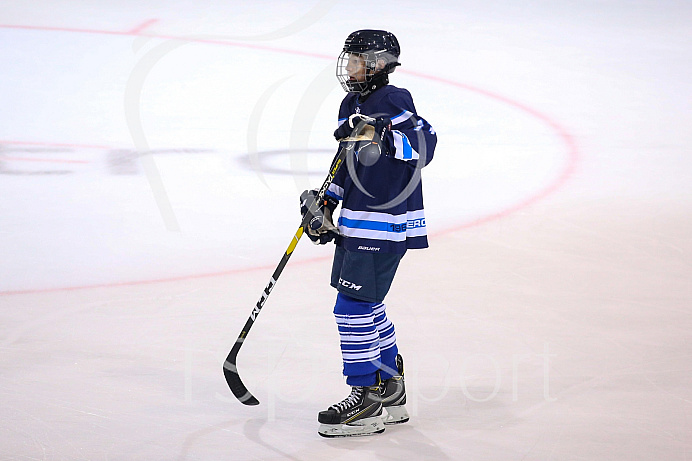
[382, 202]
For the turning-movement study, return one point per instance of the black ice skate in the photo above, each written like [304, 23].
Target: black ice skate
[393, 395]
[356, 415]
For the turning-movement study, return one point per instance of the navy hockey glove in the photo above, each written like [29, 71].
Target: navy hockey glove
[352, 127]
[382, 126]
[320, 228]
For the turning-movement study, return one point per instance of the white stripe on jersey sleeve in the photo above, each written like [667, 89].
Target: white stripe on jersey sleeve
[402, 117]
[402, 147]
[338, 191]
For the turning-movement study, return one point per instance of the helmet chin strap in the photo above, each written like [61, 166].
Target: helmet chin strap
[378, 80]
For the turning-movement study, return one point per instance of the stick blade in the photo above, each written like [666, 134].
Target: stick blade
[230, 371]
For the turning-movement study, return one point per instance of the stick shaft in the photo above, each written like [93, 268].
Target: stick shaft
[229, 368]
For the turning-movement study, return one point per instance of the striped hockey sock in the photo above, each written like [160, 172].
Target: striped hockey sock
[368, 341]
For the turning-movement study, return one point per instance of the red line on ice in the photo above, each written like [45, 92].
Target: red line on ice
[567, 138]
[162, 280]
[138, 29]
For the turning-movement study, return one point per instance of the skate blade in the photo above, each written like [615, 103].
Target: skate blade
[395, 415]
[367, 426]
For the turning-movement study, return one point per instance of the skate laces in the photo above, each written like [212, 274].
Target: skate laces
[356, 394]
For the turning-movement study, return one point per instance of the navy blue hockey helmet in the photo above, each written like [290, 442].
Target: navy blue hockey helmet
[379, 51]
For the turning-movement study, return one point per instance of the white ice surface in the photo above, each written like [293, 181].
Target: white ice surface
[151, 157]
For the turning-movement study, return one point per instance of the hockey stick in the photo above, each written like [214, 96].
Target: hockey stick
[230, 370]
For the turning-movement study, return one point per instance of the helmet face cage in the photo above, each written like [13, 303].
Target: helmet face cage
[371, 47]
[349, 84]
[369, 62]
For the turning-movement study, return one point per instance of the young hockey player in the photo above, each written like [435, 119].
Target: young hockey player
[381, 217]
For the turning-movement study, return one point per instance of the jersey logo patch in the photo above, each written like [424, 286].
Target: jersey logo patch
[364, 248]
